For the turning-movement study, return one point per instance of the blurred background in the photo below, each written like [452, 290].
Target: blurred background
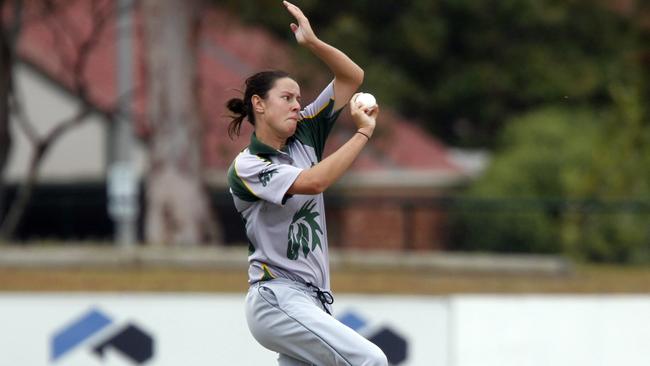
[512, 160]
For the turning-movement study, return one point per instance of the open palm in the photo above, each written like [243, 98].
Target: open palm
[302, 30]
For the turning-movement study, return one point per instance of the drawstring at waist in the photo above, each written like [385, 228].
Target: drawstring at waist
[325, 297]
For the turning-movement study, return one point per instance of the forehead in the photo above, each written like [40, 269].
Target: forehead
[286, 85]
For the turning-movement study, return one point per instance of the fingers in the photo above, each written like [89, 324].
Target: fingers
[370, 111]
[359, 107]
[373, 111]
[301, 27]
[354, 105]
[294, 10]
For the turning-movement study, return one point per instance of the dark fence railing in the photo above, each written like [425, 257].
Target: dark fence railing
[78, 212]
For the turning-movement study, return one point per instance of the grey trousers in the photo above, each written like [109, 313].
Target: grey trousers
[286, 317]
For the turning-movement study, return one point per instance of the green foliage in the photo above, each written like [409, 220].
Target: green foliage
[557, 88]
[541, 151]
[465, 66]
[567, 180]
[620, 172]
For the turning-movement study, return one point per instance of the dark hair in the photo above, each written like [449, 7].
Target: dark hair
[256, 84]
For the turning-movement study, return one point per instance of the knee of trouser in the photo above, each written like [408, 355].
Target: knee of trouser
[377, 358]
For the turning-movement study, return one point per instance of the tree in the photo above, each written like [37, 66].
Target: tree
[6, 63]
[619, 173]
[566, 181]
[75, 63]
[464, 67]
[573, 179]
[516, 205]
[178, 206]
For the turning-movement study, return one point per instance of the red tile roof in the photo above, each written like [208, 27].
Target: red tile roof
[228, 52]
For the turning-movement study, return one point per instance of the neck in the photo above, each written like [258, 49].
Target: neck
[269, 138]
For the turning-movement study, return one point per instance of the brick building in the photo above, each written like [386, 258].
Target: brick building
[389, 200]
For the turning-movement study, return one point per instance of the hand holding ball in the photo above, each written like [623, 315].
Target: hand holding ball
[367, 100]
[364, 111]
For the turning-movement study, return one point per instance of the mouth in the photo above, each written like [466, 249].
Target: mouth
[292, 125]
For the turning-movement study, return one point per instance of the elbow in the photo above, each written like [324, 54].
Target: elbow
[309, 185]
[315, 183]
[317, 186]
[354, 77]
[358, 76]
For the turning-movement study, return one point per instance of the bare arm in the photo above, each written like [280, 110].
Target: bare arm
[322, 175]
[348, 76]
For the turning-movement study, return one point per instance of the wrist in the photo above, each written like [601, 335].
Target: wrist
[366, 131]
[313, 43]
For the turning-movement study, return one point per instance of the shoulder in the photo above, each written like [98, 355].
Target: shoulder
[322, 106]
[241, 169]
[322, 110]
[246, 161]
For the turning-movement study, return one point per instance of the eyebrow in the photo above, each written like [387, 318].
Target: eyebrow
[291, 93]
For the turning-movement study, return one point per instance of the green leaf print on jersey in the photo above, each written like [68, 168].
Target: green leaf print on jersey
[266, 175]
[304, 230]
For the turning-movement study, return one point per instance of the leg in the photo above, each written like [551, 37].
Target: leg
[287, 319]
[285, 360]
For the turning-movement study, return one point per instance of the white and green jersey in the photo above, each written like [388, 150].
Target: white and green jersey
[287, 234]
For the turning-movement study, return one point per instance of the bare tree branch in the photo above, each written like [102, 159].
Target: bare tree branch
[23, 121]
[100, 18]
[7, 57]
[77, 66]
[65, 125]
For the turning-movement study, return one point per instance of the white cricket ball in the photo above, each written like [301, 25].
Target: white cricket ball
[366, 99]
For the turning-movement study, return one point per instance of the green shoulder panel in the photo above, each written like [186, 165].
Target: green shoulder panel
[313, 130]
[238, 186]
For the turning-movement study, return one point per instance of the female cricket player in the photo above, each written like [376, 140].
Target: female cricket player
[277, 185]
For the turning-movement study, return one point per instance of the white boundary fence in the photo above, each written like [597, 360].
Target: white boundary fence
[89, 329]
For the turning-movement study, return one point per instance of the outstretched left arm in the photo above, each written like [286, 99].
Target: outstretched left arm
[348, 76]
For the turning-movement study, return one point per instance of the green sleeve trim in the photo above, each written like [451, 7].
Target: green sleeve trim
[238, 186]
[314, 130]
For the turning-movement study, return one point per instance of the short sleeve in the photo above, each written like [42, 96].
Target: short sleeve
[317, 120]
[252, 177]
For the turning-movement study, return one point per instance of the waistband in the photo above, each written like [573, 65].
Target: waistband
[325, 297]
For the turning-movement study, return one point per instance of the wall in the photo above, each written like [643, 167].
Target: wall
[386, 221]
[209, 329]
[80, 153]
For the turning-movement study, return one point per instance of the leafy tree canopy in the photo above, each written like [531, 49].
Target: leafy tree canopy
[464, 67]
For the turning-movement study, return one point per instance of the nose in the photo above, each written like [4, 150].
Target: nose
[295, 106]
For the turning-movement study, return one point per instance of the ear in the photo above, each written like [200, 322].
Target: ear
[258, 103]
